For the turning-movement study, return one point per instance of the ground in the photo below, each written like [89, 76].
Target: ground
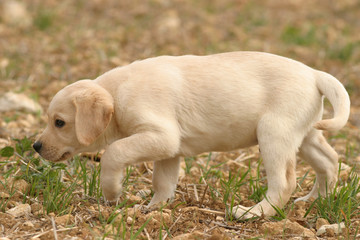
[46, 45]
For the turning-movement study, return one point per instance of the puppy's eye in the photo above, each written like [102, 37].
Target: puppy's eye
[59, 123]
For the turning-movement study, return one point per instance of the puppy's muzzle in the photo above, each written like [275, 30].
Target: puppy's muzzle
[37, 146]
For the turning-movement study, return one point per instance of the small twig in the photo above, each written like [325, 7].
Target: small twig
[15, 226]
[214, 155]
[193, 229]
[299, 186]
[147, 234]
[62, 175]
[210, 229]
[171, 227]
[196, 193]
[241, 158]
[181, 192]
[203, 196]
[187, 190]
[147, 168]
[27, 197]
[145, 179]
[241, 155]
[192, 184]
[60, 230]
[202, 177]
[15, 174]
[227, 226]
[54, 227]
[22, 160]
[212, 211]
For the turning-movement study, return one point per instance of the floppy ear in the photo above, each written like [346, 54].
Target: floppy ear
[94, 110]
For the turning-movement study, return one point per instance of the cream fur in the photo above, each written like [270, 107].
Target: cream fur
[162, 108]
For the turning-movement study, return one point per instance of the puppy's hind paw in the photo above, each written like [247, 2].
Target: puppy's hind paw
[161, 199]
[111, 202]
[245, 213]
[156, 206]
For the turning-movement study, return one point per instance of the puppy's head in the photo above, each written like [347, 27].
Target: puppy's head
[77, 116]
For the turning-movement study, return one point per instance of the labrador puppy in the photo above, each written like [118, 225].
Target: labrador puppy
[163, 108]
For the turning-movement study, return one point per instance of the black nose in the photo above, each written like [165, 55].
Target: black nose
[37, 146]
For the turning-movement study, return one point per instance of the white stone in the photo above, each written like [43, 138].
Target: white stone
[219, 219]
[17, 102]
[20, 210]
[15, 13]
[344, 166]
[4, 195]
[4, 62]
[129, 220]
[137, 207]
[169, 21]
[336, 227]
[3, 142]
[71, 238]
[29, 224]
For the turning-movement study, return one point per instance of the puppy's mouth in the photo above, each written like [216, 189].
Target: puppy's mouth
[65, 156]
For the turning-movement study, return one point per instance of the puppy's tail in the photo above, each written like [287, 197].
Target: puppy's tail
[339, 99]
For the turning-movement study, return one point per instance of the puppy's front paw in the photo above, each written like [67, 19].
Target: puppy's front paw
[111, 195]
[156, 206]
[244, 213]
[161, 199]
[111, 191]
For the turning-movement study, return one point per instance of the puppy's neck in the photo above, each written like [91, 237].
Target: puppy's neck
[111, 134]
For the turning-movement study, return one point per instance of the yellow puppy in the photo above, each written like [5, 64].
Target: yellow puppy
[162, 108]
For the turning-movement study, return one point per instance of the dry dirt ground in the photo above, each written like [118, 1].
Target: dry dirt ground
[45, 45]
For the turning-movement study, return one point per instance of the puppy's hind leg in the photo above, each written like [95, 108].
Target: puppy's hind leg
[278, 149]
[165, 178]
[323, 159]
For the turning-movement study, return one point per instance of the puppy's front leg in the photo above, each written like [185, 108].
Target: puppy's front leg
[140, 147]
[165, 178]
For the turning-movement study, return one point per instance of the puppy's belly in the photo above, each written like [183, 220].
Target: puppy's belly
[221, 142]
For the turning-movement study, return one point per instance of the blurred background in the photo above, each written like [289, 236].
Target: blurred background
[46, 41]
